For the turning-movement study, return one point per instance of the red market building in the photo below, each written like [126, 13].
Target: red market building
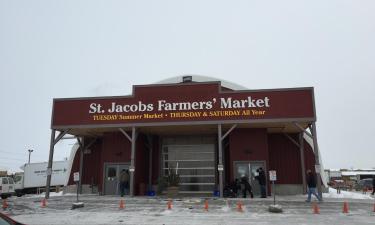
[208, 132]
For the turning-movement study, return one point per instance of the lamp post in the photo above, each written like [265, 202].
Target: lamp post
[30, 151]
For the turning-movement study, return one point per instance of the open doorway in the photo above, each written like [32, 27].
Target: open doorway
[249, 170]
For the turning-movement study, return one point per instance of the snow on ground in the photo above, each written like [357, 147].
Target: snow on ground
[51, 194]
[153, 210]
[346, 194]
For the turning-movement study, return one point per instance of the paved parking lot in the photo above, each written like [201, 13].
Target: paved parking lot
[143, 210]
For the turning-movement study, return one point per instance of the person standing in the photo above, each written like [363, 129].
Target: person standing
[246, 187]
[338, 187]
[262, 182]
[311, 184]
[124, 182]
[236, 186]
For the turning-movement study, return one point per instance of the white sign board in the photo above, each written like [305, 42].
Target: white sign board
[76, 176]
[220, 167]
[272, 175]
[317, 168]
[49, 171]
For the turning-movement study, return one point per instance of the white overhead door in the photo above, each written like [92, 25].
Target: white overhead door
[195, 163]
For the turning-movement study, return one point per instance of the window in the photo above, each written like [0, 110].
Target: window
[5, 180]
[111, 173]
[17, 178]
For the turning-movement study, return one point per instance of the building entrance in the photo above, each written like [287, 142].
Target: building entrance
[193, 158]
[112, 177]
[249, 170]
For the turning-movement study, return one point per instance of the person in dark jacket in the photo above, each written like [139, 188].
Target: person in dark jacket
[311, 184]
[262, 182]
[236, 186]
[373, 185]
[246, 187]
[124, 182]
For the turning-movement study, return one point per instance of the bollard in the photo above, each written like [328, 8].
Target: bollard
[122, 204]
[316, 209]
[169, 205]
[206, 205]
[5, 204]
[345, 208]
[239, 206]
[43, 203]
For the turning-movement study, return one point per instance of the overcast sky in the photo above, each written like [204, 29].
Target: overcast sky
[53, 49]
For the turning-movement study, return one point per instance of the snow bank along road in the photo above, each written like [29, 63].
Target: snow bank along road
[142, 210]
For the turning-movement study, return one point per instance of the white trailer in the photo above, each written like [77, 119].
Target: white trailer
[34, 176]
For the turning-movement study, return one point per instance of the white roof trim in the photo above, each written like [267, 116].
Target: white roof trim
[199, 78]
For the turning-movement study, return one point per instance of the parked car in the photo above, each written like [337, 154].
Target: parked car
[6, 220]
[6, 187]
[364, 184]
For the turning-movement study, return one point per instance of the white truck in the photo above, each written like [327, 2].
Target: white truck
[34, 177]
[6, 187]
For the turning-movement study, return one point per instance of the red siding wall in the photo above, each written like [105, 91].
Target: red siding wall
[276, 150]
[112, 148]
[247, 145]
[285, 158]
[91, 164]
[156, 160]
[75, 167]
[141, 166]
[117, 149]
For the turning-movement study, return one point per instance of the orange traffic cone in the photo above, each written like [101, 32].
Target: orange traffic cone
[239, 206]
[206, 205]
[345, 208]
[316, 209]
[169, 205]
[43, 203]
[122, 204]
[5, 204]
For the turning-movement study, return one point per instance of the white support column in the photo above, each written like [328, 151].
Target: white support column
[302, 154]
[50, 160]
[220, 164]
[53, 142]
[317, 163]
[132, 161]
[82, 149]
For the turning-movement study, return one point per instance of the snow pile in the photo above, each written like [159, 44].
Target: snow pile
[275, 209]
[345, 194]
[192, 200]
[225, 208]
[51, 194]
